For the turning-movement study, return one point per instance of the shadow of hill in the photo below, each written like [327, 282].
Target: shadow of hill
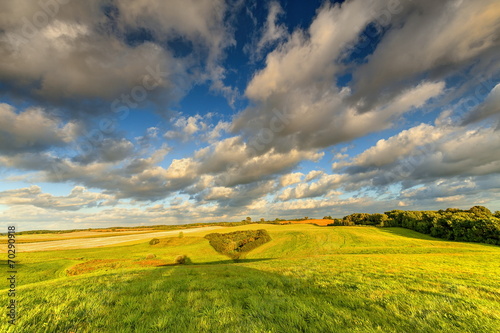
[416, 235]
[402, 232]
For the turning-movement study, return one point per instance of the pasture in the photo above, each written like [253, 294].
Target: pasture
[306, 279]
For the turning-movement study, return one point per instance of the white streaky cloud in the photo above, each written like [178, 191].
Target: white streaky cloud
[302, 60]
[490, 107]
[271, 33]
[312, 119]
[435, 36]
[314, 174]
[450, 198]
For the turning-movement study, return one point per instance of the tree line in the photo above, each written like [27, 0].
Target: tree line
[477, 224]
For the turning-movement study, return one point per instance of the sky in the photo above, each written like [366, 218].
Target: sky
[124, 113]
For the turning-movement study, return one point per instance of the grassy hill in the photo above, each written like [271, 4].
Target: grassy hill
[307, 279]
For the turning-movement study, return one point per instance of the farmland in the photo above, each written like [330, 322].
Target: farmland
[306, 279]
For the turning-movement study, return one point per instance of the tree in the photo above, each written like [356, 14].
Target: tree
[262, 219]
[181, 234]
[480, 211]
[249, 219]
[327, 217]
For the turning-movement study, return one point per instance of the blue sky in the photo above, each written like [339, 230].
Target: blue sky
[153, 112]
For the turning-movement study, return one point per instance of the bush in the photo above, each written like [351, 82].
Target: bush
[181, 234]
[154, 241]
[150, 256]
[235, 244]
[182, 260]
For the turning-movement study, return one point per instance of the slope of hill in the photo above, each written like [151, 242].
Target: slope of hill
[307, 279]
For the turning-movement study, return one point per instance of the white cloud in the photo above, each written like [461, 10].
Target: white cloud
[450, 198]
[271, 32]
[302, 60]
[387, 151]
[33, 196]
[33, 130]
[323, 186]
[186, 127]
[435, 36]
[291, 178]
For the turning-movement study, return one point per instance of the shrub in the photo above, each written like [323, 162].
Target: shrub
[235, 244]
[182, 260]
[181, 234]
[154, 241]
[150, 256]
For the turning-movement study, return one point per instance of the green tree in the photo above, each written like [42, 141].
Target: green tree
[480, 211]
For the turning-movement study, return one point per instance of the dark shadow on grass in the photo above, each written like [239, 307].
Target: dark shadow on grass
[230, 261]
[408, 233]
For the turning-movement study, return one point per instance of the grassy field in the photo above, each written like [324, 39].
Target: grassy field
[307, 279]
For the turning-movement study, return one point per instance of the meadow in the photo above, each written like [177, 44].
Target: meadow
[306, 279]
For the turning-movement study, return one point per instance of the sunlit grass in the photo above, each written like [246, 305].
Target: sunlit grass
[307, 279]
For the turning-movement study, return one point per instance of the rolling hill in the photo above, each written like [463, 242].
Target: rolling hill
[306, 279]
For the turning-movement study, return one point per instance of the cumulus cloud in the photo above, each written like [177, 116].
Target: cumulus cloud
[32, 130]
[448, 152]
[107, 150]
[95, 43]
[78, 198]
[437, 38]
[296, 102]
[403, 144]
[186, 127]
[291, 178]
[121, 53]
[306, 58]
[325, 185]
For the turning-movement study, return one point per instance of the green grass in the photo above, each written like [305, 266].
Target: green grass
[307, 279]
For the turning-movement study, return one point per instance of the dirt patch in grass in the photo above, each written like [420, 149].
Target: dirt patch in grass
[94, 265]
[112, 264]
[151, 263]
